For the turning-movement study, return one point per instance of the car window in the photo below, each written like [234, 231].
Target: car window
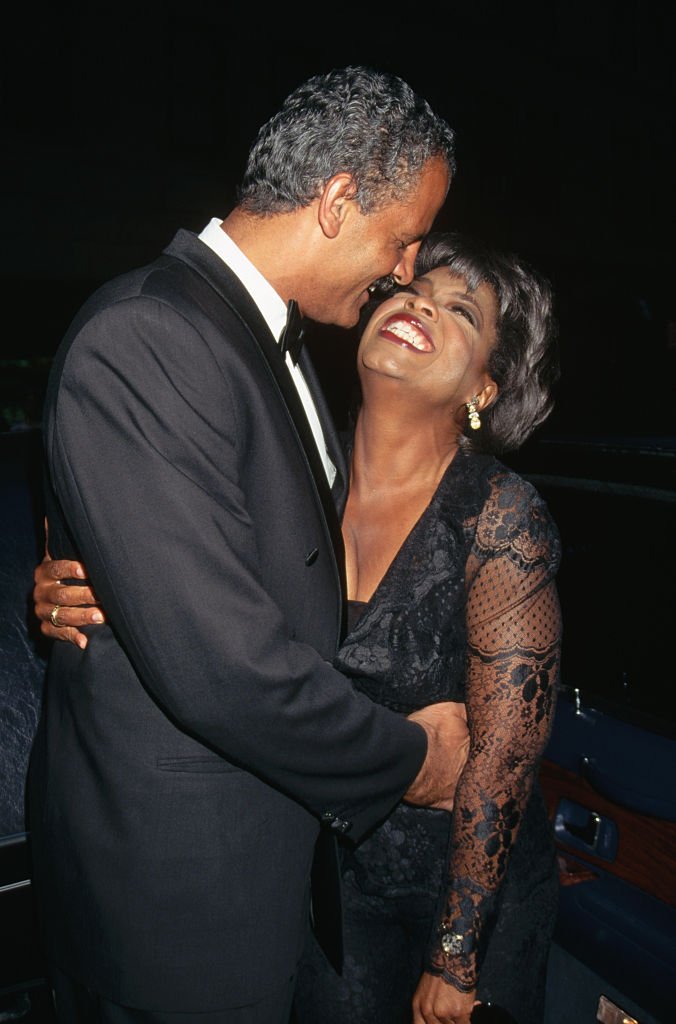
[617, 518]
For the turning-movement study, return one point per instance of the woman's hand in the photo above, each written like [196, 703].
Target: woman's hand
[62, 608]
[438, 1002]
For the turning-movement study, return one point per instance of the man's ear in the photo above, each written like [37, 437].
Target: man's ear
[334, 203]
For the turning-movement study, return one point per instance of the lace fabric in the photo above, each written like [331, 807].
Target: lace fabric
[467, 611]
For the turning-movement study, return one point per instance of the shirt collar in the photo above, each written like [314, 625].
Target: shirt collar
[272, 307]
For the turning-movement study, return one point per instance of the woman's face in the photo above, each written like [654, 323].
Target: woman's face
[436, 337]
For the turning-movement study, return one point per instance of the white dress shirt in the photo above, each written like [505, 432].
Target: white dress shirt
[273, 310]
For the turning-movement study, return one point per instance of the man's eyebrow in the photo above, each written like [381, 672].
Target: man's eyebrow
[413, 238]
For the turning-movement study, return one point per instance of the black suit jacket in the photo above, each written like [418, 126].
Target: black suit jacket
[184, 761]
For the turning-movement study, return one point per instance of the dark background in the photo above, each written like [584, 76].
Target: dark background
[123, 122]
[120, 122]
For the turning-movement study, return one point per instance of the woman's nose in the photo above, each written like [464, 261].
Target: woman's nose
[422, 306]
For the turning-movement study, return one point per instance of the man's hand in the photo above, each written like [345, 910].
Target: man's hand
[438, 1002]
[447, 749]
[71, 605]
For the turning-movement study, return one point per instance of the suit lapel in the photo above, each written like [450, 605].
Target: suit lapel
[188, 248]
[333, 444]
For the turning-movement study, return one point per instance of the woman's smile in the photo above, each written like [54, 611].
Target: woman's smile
[407, 330]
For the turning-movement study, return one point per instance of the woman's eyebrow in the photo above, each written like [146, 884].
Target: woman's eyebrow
[455, 293]
[466, 296]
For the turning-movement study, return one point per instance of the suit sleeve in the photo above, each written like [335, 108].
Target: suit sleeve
[162, 524]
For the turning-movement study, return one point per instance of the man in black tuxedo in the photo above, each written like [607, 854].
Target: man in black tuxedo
[187, 757]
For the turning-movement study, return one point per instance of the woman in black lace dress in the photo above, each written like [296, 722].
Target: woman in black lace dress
[451, 561]
[450, 564]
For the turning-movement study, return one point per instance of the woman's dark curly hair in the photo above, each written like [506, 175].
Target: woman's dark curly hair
[524, 360]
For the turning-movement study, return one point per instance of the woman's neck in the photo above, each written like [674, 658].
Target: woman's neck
[397, 463]
[395, 447]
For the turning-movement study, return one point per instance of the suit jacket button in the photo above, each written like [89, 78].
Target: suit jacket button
[311, 556]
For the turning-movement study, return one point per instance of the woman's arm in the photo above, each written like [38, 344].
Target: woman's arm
[63, 607]
[513, 624]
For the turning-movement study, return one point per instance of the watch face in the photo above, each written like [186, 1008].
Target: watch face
[451, 944]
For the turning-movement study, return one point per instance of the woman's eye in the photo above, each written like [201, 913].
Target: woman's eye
[465, 312]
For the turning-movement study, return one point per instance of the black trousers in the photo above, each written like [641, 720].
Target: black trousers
[75, 1004]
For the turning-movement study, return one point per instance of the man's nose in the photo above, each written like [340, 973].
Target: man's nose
[404, 271]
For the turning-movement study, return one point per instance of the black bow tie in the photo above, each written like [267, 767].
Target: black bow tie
[291, 339]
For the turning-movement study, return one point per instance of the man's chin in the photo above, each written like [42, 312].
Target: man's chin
[354, 319]
[357, 311]
[346, 319]
[347, 316]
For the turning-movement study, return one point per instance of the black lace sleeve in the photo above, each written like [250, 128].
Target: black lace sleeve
[513, 628]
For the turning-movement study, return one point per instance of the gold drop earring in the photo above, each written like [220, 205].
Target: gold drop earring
[474, 418]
